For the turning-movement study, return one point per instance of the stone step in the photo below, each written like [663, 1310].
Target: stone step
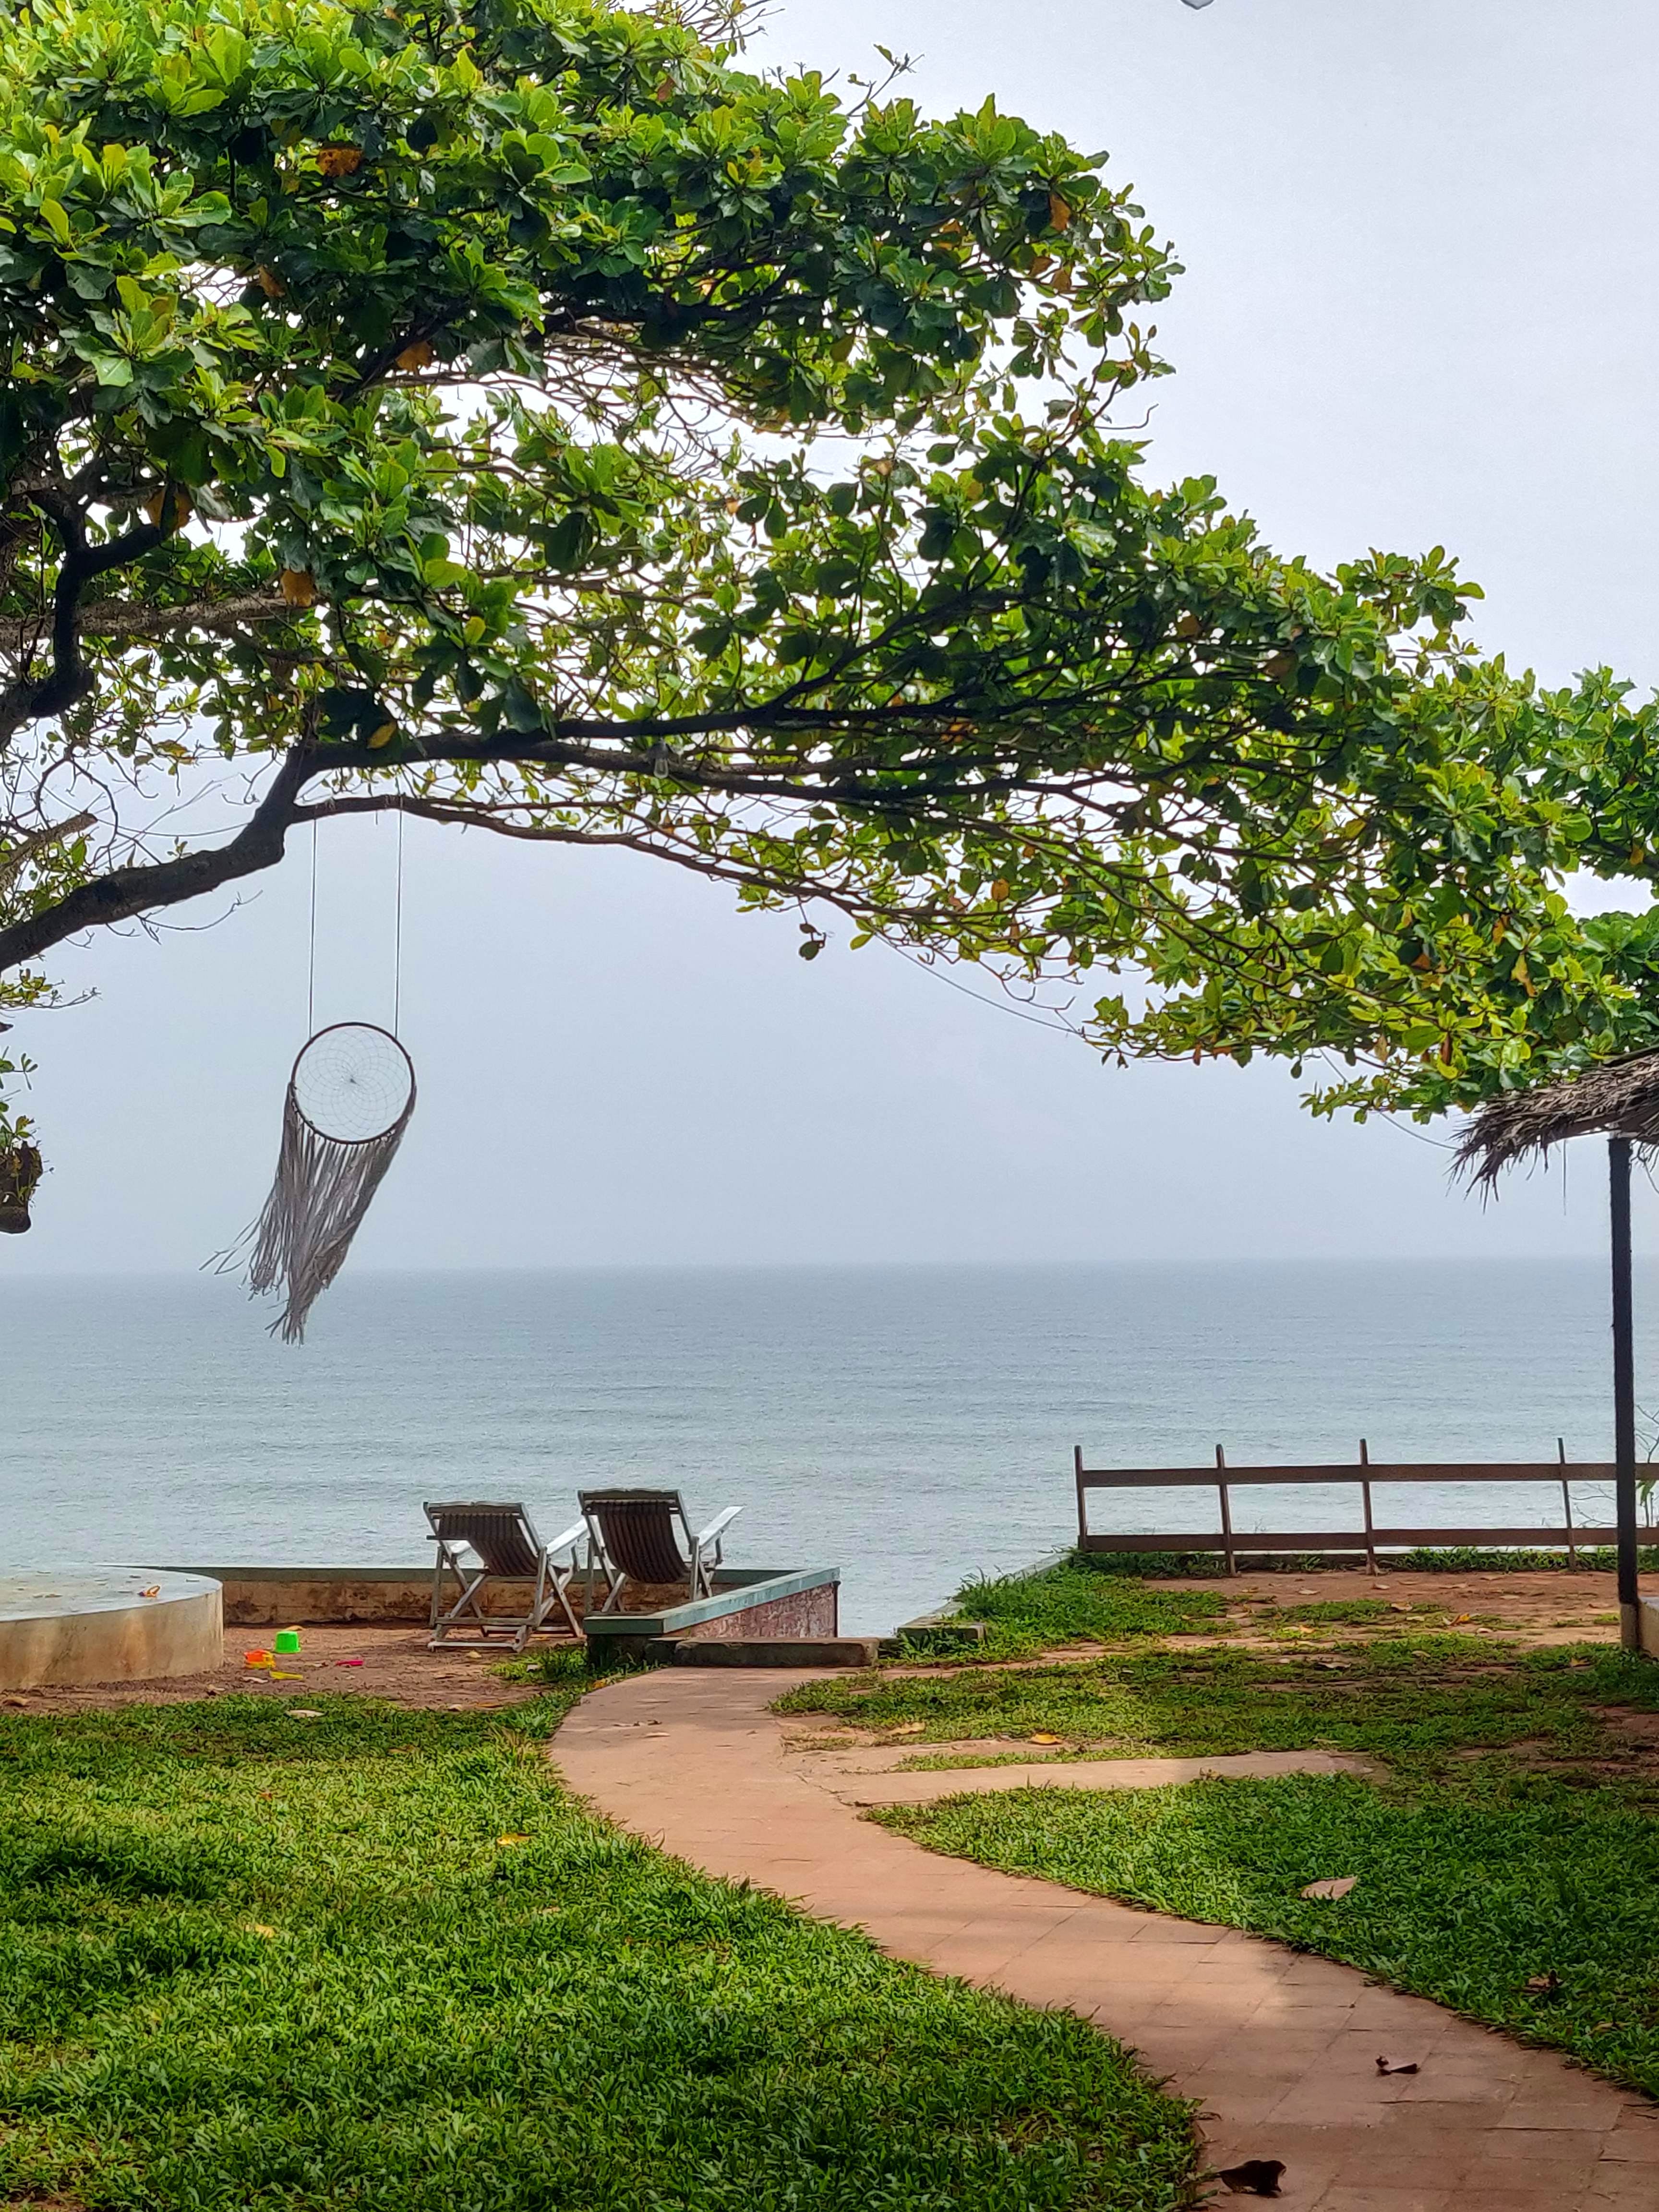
[764, 1651]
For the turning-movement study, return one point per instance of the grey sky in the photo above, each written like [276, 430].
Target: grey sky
[1419, 308]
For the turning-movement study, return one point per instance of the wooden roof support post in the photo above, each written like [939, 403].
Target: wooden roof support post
[1624, 1393]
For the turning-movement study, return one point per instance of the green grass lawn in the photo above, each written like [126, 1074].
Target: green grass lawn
[1418, 1701]
[381, 1960]
[1076, 1600]
[1100, 1598]
[1466, 1894]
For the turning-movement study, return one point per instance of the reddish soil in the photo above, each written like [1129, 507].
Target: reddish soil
[1554, 1605]
[396, 1666]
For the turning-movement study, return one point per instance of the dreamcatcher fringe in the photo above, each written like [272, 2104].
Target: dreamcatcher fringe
[316, 1206]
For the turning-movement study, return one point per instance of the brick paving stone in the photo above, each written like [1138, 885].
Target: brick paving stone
[1278, 2048]
[1636, 2138]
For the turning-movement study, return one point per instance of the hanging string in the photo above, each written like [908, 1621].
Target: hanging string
[397, 933]
[311, 970]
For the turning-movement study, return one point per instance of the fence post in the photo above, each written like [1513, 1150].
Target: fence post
[1082, 1516]
[1567, 1500]
[1227, 1514]
[1365, 1493]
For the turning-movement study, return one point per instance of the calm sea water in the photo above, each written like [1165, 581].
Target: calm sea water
[912, 1425]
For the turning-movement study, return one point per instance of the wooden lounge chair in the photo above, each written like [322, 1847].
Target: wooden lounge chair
[632, 1538]
[505, 1549]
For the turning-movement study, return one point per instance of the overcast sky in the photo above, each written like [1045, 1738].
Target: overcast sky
[1419, 307]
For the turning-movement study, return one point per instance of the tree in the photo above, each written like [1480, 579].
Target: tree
[519, 414]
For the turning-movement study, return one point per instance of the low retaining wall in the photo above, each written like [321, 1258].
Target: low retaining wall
[274, 1597]
[358, 1597]
[750, 1604]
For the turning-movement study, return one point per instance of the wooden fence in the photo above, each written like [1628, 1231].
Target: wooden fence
[1361, 1474]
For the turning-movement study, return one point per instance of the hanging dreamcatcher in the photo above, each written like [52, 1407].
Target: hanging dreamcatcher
[350, 1097]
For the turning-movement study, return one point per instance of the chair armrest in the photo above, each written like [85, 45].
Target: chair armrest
[571, 1537]
[707, 1536]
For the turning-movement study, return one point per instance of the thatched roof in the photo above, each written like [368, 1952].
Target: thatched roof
[1620, 1098]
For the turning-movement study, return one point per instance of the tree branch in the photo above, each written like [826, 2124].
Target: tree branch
[126, 892]
[39, 841]
[24, 702]
[132, 618]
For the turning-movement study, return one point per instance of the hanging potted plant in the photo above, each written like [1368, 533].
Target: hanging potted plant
[20, 1171]
[20, 1160]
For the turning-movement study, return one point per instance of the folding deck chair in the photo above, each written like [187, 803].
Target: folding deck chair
[631, 1538]
[505, 1549]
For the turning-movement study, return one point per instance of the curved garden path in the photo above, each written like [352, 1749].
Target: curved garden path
[1280, 2048]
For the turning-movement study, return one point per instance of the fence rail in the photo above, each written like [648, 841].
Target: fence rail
[1362, 1475]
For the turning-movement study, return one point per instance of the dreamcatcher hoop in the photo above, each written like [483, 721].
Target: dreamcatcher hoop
[350, 1079]
[350, 1094]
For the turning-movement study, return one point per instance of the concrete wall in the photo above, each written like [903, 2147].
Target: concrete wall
[804, 1612]
[280, 1597]
[82, 1635]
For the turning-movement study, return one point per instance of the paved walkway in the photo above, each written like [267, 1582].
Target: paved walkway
[1280, 2048]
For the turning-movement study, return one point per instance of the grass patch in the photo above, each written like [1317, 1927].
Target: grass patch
[1464, 1894]
[1076, 1602]
[1417, 1701]
[380, 1960]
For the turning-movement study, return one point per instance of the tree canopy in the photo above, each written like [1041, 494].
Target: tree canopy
[526, 414]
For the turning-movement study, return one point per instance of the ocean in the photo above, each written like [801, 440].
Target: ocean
[913, 1425]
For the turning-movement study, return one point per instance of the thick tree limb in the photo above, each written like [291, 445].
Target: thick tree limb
[132, 618]
[126, 892]
[25, 700]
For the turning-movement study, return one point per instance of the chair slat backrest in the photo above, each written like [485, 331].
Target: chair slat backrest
[638, 1528]
[502, 1535]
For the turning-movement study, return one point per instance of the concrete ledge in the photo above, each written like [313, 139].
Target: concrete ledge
[96, 1625]
[321, 1596]
[763, 1651]
[748, 1602]
[272, 1597]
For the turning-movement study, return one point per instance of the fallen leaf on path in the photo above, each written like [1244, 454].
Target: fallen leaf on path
[1256, 2177]
[1043, 1736]
[1336, 1886]
[302, 1713]
[1544, 1985]
[910, 1728]
[1396, 2066]
[512, 1840]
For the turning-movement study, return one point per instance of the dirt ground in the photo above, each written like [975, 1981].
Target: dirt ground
[1556, 1606]
[396, 1665]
